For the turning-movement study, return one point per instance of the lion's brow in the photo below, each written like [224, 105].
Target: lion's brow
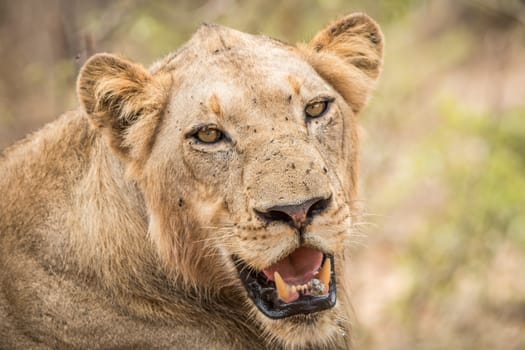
[215, 104]
[295, 83]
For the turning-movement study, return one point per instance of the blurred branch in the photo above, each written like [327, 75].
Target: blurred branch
[512, 9]
[113, 17]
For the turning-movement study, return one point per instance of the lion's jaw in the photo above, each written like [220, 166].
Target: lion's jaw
[306, 319]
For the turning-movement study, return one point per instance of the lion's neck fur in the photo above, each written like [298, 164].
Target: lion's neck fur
[99, 222]
[109, 219]
[108, 238]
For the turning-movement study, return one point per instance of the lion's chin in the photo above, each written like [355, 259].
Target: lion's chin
[316, 330]
[300, 285]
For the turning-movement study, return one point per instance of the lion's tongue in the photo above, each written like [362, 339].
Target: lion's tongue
[297, 268]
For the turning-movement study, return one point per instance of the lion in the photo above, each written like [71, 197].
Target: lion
[206, 202]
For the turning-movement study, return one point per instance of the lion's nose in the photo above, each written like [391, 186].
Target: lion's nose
[297, 215]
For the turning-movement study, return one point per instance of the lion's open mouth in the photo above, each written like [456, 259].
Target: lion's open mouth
[301, 283]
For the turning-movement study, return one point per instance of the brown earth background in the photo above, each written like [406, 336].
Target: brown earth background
[440, 259]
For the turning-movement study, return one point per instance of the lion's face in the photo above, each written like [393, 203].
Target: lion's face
[250, 172]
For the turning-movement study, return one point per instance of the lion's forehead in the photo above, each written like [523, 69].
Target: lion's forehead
[246, 74]
[220, 54]
[212, 40]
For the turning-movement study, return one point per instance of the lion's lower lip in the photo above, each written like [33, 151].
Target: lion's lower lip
[263, 293]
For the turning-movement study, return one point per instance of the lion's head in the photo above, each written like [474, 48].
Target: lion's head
[245, 150]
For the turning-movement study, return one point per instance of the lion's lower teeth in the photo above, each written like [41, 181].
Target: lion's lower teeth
[317, 287]
[304, 288]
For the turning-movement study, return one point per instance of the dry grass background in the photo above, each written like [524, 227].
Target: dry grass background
[440, 263]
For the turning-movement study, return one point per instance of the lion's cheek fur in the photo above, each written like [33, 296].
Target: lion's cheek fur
[180, 225]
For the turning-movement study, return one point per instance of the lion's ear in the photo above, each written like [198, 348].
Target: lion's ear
[123, 100]
[348, 53]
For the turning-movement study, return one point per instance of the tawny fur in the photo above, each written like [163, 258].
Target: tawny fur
[118, 227]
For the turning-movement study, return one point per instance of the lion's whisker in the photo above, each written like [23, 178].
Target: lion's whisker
[375, 215]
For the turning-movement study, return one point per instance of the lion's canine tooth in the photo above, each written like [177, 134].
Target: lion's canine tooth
[283, 290]
[324, 274]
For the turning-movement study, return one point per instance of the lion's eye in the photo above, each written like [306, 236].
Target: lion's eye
[209, 134]
[316, 109]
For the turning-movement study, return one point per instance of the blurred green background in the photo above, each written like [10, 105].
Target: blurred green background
[440, 263]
